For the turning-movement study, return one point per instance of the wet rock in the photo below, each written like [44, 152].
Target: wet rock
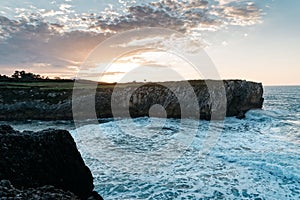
[95, 196]
[241, 115]
[7, 191]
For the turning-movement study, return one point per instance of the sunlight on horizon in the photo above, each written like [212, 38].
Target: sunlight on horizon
[252, 40]
[154, 66]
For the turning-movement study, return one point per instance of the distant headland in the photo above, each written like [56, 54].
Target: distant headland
[27, 96]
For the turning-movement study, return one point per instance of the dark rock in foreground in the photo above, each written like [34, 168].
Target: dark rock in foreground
[215, 100]
[7, 191]
[49, 157]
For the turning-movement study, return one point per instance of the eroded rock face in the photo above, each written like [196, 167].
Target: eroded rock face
[49, 157]
[240, 96]
[209, 100]
[243, 96]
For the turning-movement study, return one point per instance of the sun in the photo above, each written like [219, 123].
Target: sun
[116, 71]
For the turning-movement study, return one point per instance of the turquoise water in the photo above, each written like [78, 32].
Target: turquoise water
[254, 158]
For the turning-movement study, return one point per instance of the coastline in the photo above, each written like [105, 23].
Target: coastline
[53, 103]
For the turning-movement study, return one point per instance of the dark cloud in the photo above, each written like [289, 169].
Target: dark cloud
[43, 44]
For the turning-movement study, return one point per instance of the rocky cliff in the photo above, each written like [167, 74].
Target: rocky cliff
[47, 161]
[212, 99]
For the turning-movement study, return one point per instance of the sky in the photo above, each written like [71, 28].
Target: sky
[256, 40]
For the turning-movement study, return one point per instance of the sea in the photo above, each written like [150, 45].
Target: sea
[149, 158]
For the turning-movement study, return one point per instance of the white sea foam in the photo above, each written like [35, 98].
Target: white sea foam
[246, 162]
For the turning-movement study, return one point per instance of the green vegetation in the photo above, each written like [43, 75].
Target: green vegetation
[25, 80]
[40, 85]
[21, 76]
[28, 80]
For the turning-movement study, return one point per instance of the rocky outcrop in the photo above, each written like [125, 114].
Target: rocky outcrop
[211, 99]
[215, 100]
[243, 96]
[7, 191]
[49, 157]
[35, 104]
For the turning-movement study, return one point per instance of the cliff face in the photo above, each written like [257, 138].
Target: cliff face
[212, 99]
[45, 158]
[243, 96]
[215, 99]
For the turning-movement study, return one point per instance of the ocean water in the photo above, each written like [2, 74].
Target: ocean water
[148, 158]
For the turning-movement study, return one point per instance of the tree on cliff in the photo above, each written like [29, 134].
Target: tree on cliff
[23, 76]
[4, 78]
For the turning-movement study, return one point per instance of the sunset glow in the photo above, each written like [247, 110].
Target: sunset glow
[253, 40]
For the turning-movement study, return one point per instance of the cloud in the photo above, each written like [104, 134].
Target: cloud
[29, 43]
[60, 35]
[51, 13]
[242, 14]
[183, 16]
[144, 41]
[65, 7]
[176, 15]
[112, 73]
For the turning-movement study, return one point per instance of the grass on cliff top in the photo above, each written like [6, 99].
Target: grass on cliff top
[40, 85]
[68, 85]
[51, 85]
